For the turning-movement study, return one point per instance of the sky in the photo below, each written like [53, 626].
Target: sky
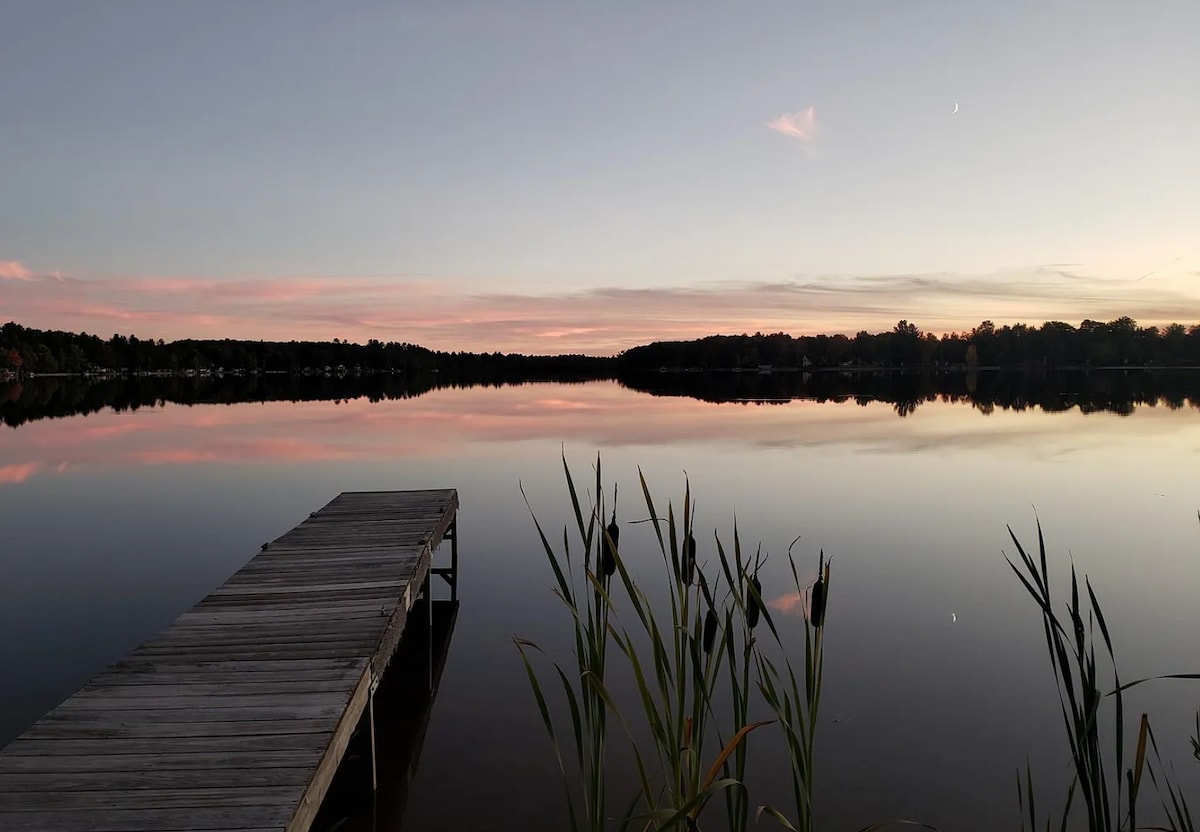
[584, 177]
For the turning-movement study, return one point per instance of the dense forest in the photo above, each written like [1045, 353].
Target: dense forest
[1119, 343]
[1054, 344]
[24, 350]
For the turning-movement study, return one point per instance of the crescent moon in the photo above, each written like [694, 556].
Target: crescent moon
[956, 106]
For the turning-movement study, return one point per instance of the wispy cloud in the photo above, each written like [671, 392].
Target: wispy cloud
[800, 125]
[14, 270]
[10, 474]
[604, 320]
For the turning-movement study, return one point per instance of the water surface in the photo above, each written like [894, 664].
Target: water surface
[937, 688]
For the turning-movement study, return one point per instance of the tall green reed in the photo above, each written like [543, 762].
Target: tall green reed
[797, 705]
[1108, 784]
[691, 743]
[584, 597]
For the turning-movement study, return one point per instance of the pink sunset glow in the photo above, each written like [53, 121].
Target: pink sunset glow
[442, 315]
[596, 415]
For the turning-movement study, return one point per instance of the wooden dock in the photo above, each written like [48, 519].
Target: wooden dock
[236, 716]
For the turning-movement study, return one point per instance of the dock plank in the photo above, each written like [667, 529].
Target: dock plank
[237, 715]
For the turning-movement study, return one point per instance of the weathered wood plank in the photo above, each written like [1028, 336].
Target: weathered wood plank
[99, 765]
[297, 666]
[96, 801]
[216, 687]
[209, 704]
[121, 779]
[168, 724]
[266, 633]
[240, 818]
[27, 747]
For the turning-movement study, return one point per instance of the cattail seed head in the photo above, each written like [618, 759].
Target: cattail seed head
[753, 603]
[710, 630]
[817, 610]
[608, 543]
[689, 560]
[818, 603]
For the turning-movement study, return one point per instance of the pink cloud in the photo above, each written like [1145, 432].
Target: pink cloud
[801, 125]
[18, 473]
[599, 321]
[14, 270]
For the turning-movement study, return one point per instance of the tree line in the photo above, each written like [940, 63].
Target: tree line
[25, 350]
[1054, 344]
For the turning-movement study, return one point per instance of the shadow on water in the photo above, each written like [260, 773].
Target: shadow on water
[403, 706]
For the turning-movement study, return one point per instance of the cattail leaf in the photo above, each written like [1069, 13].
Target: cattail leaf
[692, 806]
[772, 812]
[884, 824]
[733, 743]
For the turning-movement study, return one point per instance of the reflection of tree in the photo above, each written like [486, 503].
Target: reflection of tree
[1116, 391]
[58, 397]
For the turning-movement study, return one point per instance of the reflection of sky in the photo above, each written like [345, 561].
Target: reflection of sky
[114, 523]
[601, 414]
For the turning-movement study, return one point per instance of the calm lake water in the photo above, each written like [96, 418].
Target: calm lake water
[937, 686]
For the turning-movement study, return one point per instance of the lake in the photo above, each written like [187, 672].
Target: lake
[937, 685]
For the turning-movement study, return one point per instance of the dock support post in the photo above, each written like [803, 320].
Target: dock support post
[454, 559]
[450, 573]
[453, 533]
[429, 628]
[374, 763]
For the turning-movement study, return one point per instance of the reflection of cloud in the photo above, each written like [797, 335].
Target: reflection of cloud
[13, 270]
[801, 125]
[18, 473]
[175, 456]
[793, 603]
[599, 415]
[600, 320]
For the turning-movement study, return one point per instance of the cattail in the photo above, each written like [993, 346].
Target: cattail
[753, 604]
[817, 613]
[608, 545]
[689, 560]
[710, 630]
